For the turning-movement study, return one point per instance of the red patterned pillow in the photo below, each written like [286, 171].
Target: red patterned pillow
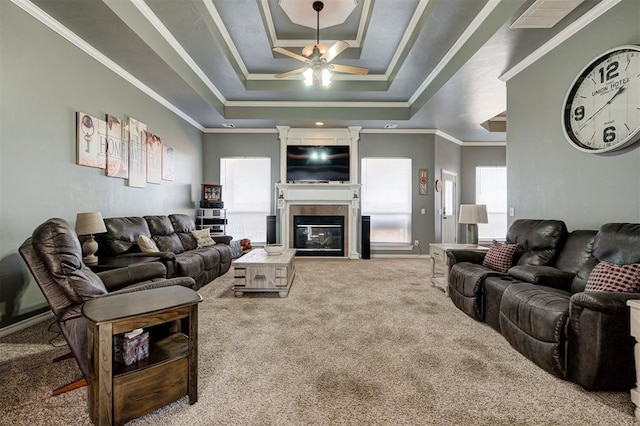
[611, 277]
[500, 256]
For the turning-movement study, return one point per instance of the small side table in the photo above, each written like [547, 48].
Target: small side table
[634, 305]
[438, 251]
[109, 263]
[118, 393]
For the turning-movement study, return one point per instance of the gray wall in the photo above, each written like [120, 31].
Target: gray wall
[547, 177]
[447, 156]
[421, 149]
[44, 81]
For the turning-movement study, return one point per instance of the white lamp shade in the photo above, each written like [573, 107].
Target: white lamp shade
[473, 213]
[90, 223]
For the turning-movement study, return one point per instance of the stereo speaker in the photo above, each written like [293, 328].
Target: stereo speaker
[366, 237]
[271, 229]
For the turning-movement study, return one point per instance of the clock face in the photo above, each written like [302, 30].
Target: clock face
[602, 109]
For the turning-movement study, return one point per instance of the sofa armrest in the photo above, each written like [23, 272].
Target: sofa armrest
[608, 302]
[222, 239]
[116, 279]
[146, 285]
[600, 353]
[167, 258]
[457, 256]
[543, 275]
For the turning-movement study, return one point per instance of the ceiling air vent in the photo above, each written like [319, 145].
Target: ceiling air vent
[545, 13]
[228, 125]
[390, 126]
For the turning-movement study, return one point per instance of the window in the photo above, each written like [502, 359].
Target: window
[246, 191]
[491, 189]
[386, 197]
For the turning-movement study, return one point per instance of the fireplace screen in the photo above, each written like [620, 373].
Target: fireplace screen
[318, 235]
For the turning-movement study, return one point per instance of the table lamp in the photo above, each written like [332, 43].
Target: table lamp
[89, 224]
[471, 215]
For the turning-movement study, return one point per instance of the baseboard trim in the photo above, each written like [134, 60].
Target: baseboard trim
[400, 256]
[10, 329]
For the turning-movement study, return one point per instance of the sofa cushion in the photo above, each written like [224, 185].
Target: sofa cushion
[539, 240]
[607, 276]
[163, 234]
[500, 256]
[534, 320]
[122, 234]
[183, 224]
[618, 243]
[576, 250]
[147, 245]
[203, 238]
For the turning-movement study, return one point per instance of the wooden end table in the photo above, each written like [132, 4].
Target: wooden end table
[438, 252]
[118, 393]
[257, 271]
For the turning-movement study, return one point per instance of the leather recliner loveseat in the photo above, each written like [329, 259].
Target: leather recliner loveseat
[178, 247]
[545, 313]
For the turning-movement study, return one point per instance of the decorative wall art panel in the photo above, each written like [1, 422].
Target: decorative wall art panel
[92, 141]
[137, 153]
[117, 149]
[423, 181]
[154, 158]
[168, 163]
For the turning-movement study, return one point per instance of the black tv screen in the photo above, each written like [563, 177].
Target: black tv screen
[306, 163]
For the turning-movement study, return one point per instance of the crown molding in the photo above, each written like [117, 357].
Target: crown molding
[237, 130]
[571, 29]
[71, 37]
[457, 46]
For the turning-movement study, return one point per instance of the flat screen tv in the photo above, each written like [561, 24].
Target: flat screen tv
[306, 163]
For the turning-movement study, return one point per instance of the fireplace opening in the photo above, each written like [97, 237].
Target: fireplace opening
[318, 235]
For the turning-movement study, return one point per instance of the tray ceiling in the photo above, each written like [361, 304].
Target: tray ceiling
[433, 64]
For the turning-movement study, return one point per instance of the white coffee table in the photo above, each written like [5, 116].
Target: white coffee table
[258, 271]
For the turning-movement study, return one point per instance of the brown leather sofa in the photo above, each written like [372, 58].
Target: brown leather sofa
[545, 314]
[54, 257]
[178, 247]
[539, 242]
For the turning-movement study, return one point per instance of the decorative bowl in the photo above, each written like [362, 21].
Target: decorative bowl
[273, 249]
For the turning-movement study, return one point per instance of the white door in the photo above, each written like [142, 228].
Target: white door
[448, 208]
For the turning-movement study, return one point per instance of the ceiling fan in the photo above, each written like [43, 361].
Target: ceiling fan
[318, 58]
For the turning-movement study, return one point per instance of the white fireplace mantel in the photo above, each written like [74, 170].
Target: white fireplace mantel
[327, 194]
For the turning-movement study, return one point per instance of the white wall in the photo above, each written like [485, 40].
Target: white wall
[547, 178]
[44, 80]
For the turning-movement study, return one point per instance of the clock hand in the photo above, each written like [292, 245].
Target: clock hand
[620, 90]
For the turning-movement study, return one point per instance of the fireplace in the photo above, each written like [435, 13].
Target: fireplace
[318, 235]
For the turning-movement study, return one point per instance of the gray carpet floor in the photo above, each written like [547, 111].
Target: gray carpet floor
[365, 342]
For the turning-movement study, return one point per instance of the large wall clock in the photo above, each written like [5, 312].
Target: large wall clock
[602, 108]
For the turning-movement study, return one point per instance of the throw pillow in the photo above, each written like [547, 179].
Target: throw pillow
[500, 256]
[607, 276]
[203, 238]
[147, 245]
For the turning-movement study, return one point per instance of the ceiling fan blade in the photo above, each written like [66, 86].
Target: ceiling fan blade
[349, 69]
[292, 72]
[290, 54]
[337, 48]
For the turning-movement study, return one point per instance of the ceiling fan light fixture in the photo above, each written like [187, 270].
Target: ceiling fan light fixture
[326, 78]
[308, 77]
